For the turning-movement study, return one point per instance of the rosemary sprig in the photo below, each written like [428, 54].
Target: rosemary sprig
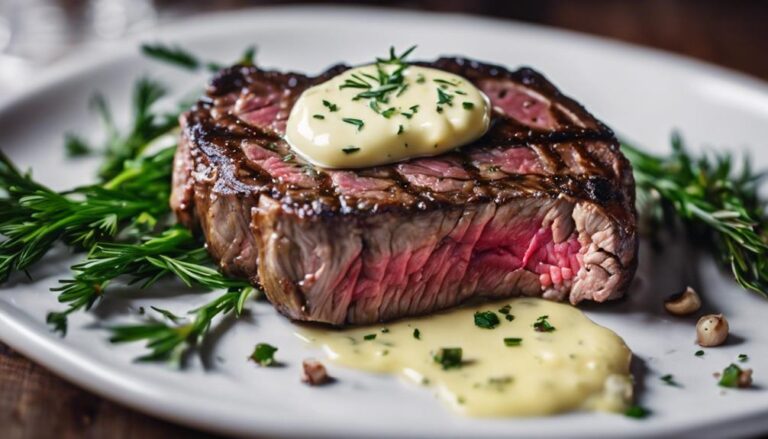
[173, 251]
[166, 341]
[178, 56]
[115, 219]
[717, 205]
[33, 217]
[147, 126]
[171, 54]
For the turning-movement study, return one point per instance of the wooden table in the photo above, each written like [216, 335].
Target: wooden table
[35, 403]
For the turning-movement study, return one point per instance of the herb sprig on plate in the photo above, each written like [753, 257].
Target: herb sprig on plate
[171, 342]
[173, 251]
[715, 204]
[181, 57]
[123, 222]
[34, 217]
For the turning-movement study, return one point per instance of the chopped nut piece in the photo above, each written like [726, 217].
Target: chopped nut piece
[314, 373]
[683, 304]
[712, 330]
[745, 378]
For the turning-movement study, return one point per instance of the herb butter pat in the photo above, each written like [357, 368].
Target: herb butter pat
[384, 113]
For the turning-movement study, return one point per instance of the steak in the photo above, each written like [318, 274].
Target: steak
[542, 205]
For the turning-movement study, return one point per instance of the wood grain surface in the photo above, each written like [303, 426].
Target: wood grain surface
[36, 404]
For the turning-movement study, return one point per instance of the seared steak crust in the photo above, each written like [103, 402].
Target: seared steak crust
[543, 204]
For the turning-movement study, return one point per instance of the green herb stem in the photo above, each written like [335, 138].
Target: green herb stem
[171, 341]
[718, 206]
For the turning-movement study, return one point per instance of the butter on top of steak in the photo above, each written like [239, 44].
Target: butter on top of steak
[542, 205]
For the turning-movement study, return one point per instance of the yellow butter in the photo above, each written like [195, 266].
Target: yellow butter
[578, 366]
[429, 113]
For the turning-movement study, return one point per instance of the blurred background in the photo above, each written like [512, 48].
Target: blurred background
[37, 34]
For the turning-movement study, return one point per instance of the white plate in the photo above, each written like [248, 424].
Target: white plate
[641, 93]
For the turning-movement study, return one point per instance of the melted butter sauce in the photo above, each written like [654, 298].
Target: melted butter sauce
[432, 112]
[578, 366]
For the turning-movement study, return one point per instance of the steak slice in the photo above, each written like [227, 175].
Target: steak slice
[542, 205]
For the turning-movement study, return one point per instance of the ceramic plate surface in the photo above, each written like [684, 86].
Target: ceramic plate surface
[642, 94]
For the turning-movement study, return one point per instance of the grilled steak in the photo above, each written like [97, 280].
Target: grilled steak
[542, 205]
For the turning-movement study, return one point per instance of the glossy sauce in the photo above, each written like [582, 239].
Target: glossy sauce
[577, 366]
[431, 112]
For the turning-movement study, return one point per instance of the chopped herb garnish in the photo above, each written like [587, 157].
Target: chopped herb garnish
[417, 334]
[420, 79]
[350, 149]
[378, 93]
[509, 317]
[512, 341]
[388, 112]
[636, 412]
[699, 353]
[486, 319]
[400, 129]
[356, 122]
[460, 92]
[384, 330]
[75, 146]
[461, 400]
[743, 358]
[374, 106]
[446, 82]
[369, 337]
[449, 358]
[264, 354]
[497, 383]
[734, 376]
[500, 380]
[406, 114]
[670, 380]
[414, 109]
[505, 309]
[730, 376]
[439, 109]
[543, 325]
[402, 90]
[330, 106]
[355, 82]
[468, 105]
[444, 98]
[288, 157]
[319, 116]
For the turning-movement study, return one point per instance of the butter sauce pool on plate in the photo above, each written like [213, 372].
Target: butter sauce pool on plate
[511, 369]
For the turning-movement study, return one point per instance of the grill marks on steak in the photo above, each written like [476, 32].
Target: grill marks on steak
[543, 204]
